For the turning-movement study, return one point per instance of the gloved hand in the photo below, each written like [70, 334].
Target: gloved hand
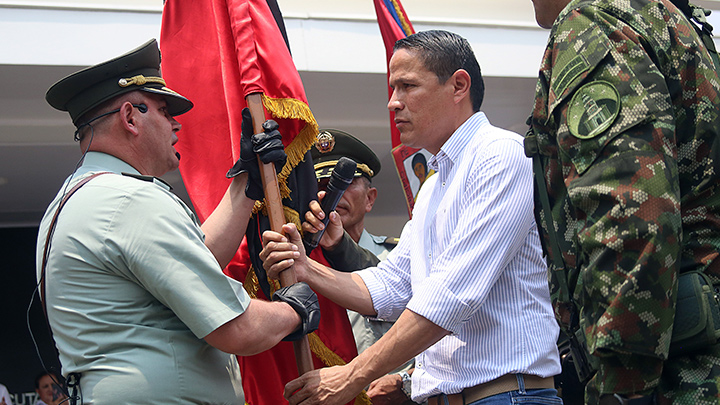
[267, 144]
[303, 300]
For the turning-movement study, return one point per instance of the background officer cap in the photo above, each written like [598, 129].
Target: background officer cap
[138, 69]
[333, 144]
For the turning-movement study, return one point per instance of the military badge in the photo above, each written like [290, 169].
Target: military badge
[593, 109]
[325, 142]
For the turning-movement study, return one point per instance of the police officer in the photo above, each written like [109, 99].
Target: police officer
[626, 147]
[138, 304]
[359, 198]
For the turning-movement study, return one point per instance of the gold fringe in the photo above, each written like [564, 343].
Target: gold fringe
[295, 151]
[292, 216]
[362, 399]
[328, 357]
[290, 108]
[251, 284]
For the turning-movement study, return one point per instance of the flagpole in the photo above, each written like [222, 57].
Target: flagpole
[273, 203]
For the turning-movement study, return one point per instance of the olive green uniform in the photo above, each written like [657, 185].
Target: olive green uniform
[626, 123]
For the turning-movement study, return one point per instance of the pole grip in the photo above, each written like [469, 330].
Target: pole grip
[273, 203]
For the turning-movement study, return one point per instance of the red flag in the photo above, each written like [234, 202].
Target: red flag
[216, 52]
[395, 24]
[247, 55]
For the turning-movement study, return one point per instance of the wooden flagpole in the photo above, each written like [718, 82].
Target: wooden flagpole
[273, 202]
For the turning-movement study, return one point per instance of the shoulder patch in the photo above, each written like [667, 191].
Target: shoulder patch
[593, 109]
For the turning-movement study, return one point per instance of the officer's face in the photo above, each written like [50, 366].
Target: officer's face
[356, 201]
[420, 102]
[159, 131]
[546, 11]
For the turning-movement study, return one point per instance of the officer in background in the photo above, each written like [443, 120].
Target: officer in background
[357, 201]
[360, 195]
[626, 147]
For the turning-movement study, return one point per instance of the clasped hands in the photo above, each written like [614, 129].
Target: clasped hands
[332, 385]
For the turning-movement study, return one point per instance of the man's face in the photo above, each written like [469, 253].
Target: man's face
[159, 136]
[546, 11]
[420, 102]
[45, 390]
[357, 200]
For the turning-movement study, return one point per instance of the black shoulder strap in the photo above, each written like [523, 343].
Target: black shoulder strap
[531, 150]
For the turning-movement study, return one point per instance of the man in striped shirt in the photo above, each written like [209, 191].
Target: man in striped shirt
[467, 282]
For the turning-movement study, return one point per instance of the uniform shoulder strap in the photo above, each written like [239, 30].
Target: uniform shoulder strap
[51, 229]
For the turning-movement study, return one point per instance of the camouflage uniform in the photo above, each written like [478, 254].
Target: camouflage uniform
[627, 120]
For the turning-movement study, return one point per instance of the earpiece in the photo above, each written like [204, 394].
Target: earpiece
[141, 107]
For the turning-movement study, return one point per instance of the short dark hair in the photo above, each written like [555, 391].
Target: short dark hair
[443, 53]
[56, 378]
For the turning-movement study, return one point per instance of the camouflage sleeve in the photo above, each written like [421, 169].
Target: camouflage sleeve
[616, 139]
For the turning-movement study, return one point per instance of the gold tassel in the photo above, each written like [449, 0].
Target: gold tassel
[362, 399]
[252, 285]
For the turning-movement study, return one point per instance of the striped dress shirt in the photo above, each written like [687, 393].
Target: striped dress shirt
[470, 261]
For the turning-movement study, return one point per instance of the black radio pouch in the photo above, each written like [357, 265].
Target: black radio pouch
[697, 314]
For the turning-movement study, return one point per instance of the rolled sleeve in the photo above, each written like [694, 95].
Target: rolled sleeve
[438, 304]
[382, 303]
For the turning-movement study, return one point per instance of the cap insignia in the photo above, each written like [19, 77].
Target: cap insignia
[325, 142]
[139, 80]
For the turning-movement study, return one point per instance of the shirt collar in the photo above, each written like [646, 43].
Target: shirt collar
[98, 161]
[454, 147]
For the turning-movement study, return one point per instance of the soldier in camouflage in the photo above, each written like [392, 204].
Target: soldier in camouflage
[626, 137]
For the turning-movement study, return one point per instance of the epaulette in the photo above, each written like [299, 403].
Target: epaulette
[151, 179]
[391, 242]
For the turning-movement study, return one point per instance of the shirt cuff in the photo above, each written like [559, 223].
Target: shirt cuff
[378, 294]
[436, 303]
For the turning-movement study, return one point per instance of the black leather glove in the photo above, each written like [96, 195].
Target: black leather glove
[304, 301]
[267, 144]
